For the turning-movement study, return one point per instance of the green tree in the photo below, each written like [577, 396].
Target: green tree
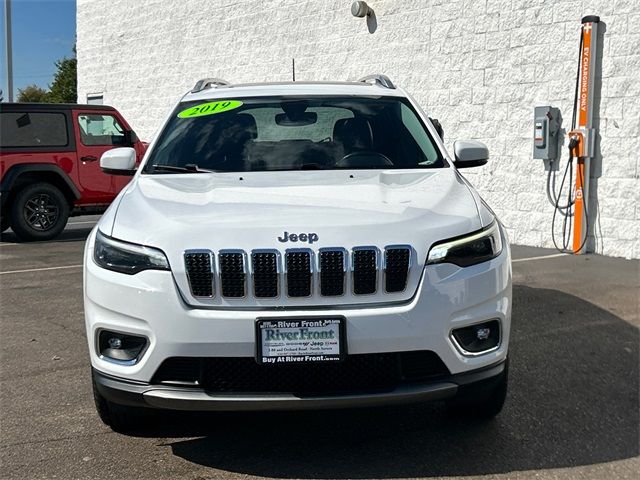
[33, 93]
[64, 88]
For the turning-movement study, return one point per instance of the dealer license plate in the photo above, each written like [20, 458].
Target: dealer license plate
[281, 341]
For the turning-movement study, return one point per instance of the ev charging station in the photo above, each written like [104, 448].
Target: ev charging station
[547, 123]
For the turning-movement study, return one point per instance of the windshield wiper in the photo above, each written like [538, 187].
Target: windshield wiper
[188, 168]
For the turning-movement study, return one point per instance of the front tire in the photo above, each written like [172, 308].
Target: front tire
[119, 418]
[5, 224]
[39, 212]
[481, 401]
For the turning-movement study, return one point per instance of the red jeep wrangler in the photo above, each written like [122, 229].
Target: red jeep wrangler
[49, 164]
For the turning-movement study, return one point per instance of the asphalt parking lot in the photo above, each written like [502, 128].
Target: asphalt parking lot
[572, 409]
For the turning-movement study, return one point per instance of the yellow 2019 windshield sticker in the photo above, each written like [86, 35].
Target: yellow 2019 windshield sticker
[210, 108]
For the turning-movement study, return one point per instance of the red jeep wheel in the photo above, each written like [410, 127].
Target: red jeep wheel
[39, 212]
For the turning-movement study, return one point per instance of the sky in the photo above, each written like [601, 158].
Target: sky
[43, 31]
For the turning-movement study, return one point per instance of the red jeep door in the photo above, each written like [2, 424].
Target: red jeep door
[97, 132]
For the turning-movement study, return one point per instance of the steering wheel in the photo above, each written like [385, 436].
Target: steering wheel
[364, 159]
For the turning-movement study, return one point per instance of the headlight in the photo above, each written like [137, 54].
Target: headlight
[126, 257]
[468, 250]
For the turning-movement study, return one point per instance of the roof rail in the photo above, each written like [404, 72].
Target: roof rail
[378, 79]
[208, 83]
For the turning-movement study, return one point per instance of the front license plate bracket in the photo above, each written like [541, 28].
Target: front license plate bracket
[300, 340]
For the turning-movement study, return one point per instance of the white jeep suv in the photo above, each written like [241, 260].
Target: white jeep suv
[297, 245]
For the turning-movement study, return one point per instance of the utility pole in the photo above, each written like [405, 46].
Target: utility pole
[9, 49]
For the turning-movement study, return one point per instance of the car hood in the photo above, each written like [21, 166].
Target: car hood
[252, 210]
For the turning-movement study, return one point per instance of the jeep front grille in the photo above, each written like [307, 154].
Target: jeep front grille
[298, 273]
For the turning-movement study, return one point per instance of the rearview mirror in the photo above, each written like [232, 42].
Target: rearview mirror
[119, 161]
[301, 120]
[470, 153]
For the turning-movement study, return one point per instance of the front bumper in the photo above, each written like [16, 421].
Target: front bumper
[150, 305]
[140, 394]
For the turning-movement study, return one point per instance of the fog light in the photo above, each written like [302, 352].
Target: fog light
[483, 333]
[121, 347]
[479, 338]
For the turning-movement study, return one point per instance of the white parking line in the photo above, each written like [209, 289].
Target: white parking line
[40, 269]
[539, 258]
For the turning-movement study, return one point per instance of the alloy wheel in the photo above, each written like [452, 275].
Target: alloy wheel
[41, 212]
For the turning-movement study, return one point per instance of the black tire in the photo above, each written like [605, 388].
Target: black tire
[481, 401]
[39, 212]
[4, 222]
[119, 418]
[102, 405]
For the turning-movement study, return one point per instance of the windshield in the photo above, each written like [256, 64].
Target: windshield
[290, 133]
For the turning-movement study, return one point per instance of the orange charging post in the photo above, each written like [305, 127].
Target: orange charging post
[582, 136]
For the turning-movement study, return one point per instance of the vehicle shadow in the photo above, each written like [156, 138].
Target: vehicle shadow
[573, 400]
[67, 235]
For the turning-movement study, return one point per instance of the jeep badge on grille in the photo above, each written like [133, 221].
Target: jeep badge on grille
[299, 237]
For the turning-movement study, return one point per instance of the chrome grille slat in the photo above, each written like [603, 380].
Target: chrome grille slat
[332, 268]
[397, 261]
[199, 268]
[298, 265]
[266, 273]
[365, 264]
[232, 274]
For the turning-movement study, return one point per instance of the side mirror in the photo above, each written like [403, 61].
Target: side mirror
[119, 161]
[469, 153]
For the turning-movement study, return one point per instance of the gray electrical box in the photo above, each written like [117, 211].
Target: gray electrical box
[546, 126]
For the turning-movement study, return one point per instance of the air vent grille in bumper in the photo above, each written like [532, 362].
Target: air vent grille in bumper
[358, 373]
